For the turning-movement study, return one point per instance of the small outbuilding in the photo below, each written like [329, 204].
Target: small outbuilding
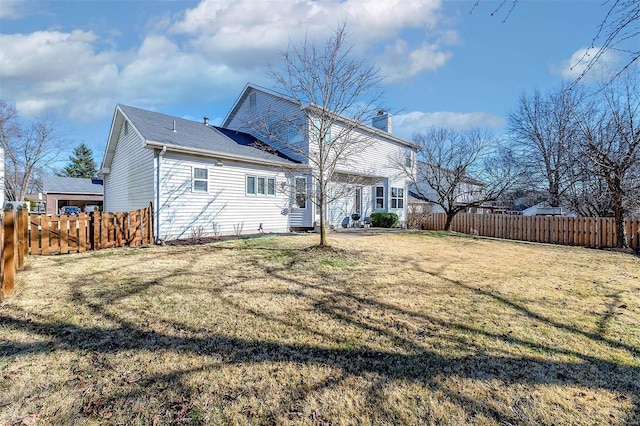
[58, 192]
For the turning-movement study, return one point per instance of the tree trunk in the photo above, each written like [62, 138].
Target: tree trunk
[618, 213]
[615, 186]
[447, 224]
[323, 230]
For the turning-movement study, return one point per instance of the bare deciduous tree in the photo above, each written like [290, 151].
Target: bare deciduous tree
[28, 150]
[610, 146]
[460, 170]
[619, 27]
[336, 93]
[545, 128]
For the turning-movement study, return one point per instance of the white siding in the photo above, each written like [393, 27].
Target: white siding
[225, 206]
[265, 117]
[130, 183]
[372, 156]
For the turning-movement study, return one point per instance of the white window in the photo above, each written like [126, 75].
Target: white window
[317, 123]
[251, 185]
[408, 162]
[200, 178]
[126, 127]
[261, 185]
[397, 198]
[301, 192]
[271, 186]
[380, 197]
[252, 100]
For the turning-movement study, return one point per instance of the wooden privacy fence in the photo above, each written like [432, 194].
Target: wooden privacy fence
[22, 234]
[93, 231]
[598, 232]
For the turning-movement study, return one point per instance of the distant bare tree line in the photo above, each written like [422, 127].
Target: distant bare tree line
[582, 149]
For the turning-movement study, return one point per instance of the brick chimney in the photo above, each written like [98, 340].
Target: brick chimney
[383, 121]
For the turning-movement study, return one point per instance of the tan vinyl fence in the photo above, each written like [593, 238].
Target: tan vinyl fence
[598, 232]
[23, 234]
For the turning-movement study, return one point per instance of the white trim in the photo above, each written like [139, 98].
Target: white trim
[195, 179]
[396, 198]
[256, 185]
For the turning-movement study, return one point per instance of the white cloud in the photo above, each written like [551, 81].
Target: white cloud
[203, 54]
[12, 9]
[261, 29]
[55, 71]
[399, 62]
[576, 66]
[405, 125]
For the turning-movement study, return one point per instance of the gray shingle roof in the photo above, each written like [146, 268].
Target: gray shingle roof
[158, 127]
[68, 185]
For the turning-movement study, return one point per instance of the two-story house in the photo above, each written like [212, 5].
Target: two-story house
[207, 180]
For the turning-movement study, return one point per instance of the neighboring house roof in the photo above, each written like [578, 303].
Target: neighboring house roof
[187, 136]
[70, 185]
[251, 87]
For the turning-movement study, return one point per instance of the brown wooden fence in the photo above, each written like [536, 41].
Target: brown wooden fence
[93, 231]
[598, 232]
[22, 234]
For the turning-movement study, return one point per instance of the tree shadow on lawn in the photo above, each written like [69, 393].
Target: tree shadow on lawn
[416, 364]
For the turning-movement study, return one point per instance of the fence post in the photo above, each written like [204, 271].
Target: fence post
[19, 224]
[9, 252]
[25, 231]
[151, 236]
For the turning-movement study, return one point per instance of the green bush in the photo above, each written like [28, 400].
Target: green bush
[384, 220]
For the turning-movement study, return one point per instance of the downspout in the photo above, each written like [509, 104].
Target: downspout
[157, 218]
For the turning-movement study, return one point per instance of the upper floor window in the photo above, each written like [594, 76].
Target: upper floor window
[321, 128]
[126, 127]
[200, 178]
[408, 162]
[252, 99]
[397, 198]
[379, 197]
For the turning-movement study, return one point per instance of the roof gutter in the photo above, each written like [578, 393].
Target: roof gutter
[205, 152]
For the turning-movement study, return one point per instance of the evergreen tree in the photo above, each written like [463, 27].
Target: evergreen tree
[81, 164]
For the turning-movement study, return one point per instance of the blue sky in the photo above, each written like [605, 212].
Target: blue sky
[446, 63]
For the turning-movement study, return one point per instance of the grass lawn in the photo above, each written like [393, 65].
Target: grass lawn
[419, 328]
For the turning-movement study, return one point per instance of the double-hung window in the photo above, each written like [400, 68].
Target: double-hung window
[262, 189]
[397, 198]
[379, 197]
[408, 161]
[200, 180]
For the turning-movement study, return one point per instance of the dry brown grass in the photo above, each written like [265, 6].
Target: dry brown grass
[419, 328]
